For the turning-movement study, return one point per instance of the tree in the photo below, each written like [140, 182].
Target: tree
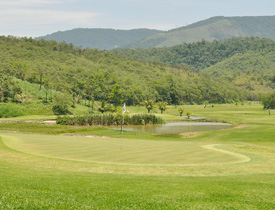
[268, 101]
[181, 110]
[103, 107]
[149, 105]
[47, 89]
[188, 114]
[162, 105]
[61, 104]
[115, 95]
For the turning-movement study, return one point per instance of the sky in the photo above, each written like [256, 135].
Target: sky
[32, 18]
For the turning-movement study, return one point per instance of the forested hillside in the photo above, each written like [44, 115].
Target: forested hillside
[201, 54]
[253, 70]
[103, 39]
[248, 63]
[92, 74]
[215, 28]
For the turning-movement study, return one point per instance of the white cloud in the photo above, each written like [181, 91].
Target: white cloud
[19, 3]
[29, 16]
[31, 22]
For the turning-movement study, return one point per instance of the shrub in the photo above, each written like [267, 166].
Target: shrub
[6, 111]
[268, 101]
[61, 104]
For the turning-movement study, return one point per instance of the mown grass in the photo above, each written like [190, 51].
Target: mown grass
[28, 181]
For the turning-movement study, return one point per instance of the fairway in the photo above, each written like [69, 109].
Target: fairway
[133, 152]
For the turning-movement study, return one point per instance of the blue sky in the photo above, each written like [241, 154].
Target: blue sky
[33, 18]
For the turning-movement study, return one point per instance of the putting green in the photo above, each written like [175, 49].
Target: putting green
[134, 152]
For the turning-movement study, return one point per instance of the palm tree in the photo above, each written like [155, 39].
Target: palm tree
[181, 110]
[149, 105]
[103, 107]
[188, 114]
[162, 105]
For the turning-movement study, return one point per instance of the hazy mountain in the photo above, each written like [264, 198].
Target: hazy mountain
[100, 38]
[215, 28]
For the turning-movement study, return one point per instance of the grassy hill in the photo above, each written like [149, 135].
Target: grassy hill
[215, 28]
[100, 38]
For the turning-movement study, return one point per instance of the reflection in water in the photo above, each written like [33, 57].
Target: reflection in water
[178, 127]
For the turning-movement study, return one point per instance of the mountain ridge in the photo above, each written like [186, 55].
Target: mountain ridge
[214, 28]
[100, 38]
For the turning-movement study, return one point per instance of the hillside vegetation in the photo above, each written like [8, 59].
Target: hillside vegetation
[97, 75]
[244, 62]
[103, 39]
[199, 55]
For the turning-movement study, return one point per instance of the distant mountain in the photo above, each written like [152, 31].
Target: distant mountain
[103, 39]
[215, 28]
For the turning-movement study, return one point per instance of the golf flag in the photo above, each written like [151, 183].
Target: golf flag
[124, 109]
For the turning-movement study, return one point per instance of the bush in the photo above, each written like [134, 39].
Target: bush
[6, 111]
[60, 110]
[268, 101]
[61, 104]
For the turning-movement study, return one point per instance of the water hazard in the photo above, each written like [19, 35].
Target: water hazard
[178, 127]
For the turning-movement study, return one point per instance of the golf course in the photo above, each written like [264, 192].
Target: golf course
[50, 166]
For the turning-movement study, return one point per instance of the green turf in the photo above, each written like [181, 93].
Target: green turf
[60, 172]
[113, 151]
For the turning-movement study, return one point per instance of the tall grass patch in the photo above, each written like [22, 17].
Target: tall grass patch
[109, 119]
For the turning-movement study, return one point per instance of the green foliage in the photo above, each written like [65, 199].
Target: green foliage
[97, 75]
[188, 114]
[245, 63]
[162, 105]
[9, 88]
[61, 104]
[109, 119]
[104, 107]
[115, 96]
[201, 54]
[181, 110]
[149, 105]
[268, 101]
[9, 111]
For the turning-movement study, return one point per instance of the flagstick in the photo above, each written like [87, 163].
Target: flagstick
[121, 133]
[123, 112]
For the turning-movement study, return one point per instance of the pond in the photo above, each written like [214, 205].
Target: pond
[178, 127]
